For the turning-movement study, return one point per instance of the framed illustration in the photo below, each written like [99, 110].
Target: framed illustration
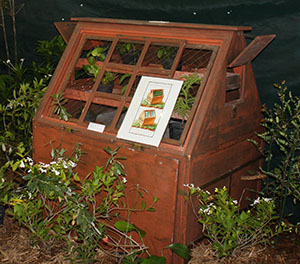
[150, 110]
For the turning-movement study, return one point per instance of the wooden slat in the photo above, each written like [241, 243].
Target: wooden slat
[252, 50]
[161, 24]
[65, 29]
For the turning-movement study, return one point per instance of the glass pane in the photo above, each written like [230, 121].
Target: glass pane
[192, 68]
[101, 114]
[127, 52]
[160, 56]
[66, 109]
[135, 84]
[122, 116]
[88, 65]
[114, 82]
[195, 60]
[95, 48]
[174, 129]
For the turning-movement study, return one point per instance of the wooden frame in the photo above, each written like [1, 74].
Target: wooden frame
[211, 151]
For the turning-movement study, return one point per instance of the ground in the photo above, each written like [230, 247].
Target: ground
[15, 248]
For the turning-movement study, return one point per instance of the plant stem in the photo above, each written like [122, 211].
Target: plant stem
[4, 31]
[13, 18]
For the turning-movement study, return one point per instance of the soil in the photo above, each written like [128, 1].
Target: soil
[16, 247]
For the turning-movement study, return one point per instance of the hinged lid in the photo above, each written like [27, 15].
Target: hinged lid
[65, 29]
[252, 50]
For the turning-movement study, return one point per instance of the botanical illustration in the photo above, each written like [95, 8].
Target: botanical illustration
[150, 110]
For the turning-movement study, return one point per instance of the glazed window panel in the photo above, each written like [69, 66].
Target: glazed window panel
[106, 74]
[195, 60]
[194, 64]
[101, 114]
[127, 52]
[92, 57]
[160, 55]
[67, 109]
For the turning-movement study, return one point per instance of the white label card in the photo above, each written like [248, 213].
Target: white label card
[96, 127]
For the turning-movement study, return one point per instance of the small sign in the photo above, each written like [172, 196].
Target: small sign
[96, 127]
[150, 110]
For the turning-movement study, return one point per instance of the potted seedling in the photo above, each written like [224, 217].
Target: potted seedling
[98, 53]
[167, 54]
[124, 82]
[184, 103]
[92, 69]
[107, 82]
[128, 52]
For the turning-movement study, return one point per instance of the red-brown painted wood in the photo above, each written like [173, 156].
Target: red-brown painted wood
[213, 150]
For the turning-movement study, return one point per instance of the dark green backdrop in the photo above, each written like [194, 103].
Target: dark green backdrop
[280, 61]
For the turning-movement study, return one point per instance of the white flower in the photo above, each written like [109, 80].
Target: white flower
[22, 165]
[43, 170]
[72, 164]
[45, 165]
[206, 191]
[30, 161]
[8, 61]
[189, 185]
[256, 201]
[206, 210]
[235, 202]
[65, 164]
[124, 180]
[56, 172]
[267, 199]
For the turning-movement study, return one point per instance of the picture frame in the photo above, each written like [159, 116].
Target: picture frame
[150, 110]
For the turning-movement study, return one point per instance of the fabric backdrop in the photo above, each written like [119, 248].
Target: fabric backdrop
[279, 61]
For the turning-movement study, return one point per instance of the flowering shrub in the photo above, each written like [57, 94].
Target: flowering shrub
[230, 229]
[21, 90]
[57, 205]
[281, 137]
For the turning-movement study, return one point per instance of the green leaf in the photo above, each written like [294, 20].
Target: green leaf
[127, 227]
[159, 53]
[124, 226]
[143, 205]
[155, 199]
[76, 177]
[181, 250]
[154, 260]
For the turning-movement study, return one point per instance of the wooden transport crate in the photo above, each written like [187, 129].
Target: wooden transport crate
[209, 148]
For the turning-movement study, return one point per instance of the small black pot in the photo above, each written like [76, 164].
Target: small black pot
[130, 58]
[167, 62]
[106, 88]
[2, 214]
[176, 129]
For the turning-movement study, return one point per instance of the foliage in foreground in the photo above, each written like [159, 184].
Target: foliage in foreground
[21, 90]
[86, 213]
[230, 229]
[281, 137]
